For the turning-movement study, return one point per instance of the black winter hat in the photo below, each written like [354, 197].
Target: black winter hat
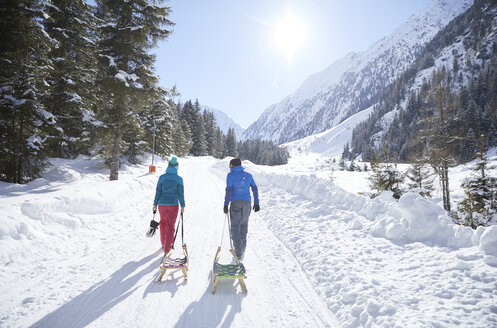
[236, 162]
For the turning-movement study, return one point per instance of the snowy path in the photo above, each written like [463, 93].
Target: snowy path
[73, 254]
[107, 276]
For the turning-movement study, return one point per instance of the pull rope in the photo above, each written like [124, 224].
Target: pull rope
[222, 235]
[182, 231]
[229, 227]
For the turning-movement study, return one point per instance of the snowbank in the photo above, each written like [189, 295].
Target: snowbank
[410, 219]
[416, 219]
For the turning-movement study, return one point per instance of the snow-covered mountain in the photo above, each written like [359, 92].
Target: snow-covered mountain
[224, 121]
[354, 82]
[465, 50]
[332, 141]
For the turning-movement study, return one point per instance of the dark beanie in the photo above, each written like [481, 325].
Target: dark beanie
[235, 162]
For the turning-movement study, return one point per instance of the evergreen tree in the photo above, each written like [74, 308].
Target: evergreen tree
[210, 132]
[182, 138]
[218, 153]
[385, 176]
[420, 179]
[162, 121]
[342, 164]
[26, 127]
[479, 207]
[231, 145]
[71, 99]
[353, 166]
[199, 147]
[263, 152]
[126, 76]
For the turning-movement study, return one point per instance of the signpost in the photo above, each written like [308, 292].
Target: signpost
[151, 168]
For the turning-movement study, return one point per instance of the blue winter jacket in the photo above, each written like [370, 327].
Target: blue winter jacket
[170, 188]
[237, 186]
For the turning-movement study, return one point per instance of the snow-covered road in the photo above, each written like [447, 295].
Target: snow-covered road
[73, 253]
[103, 273]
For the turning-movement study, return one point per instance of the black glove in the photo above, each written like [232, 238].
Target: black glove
[225, 209]
[256, 208]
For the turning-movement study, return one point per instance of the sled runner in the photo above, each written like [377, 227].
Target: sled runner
[169, 262]
[228, 271]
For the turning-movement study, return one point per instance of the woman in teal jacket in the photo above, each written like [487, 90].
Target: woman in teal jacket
[169, 192]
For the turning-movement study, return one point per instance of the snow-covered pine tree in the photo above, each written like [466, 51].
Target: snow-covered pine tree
[126, 76]
[25, 125]
[420, 178]
[182, 138]
[479, 206]
[353, 166]
[341, 163]
[231, 145]
[385, 176]
[182, 135]
[199, 147]
[210, 132]
[220, 140]
[71, 100]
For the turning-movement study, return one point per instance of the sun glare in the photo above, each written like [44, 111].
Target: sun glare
[289, 35]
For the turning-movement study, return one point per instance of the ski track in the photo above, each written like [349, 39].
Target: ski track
[111, 281]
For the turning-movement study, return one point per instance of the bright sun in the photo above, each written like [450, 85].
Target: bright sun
[289, 35]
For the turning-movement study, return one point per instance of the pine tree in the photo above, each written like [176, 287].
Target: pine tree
[71, 99]
[385, 176]
[341, 163]
[231, 145]
[420, 178]
[162, 121]
[26, 126]
[199, 147]
[182, 138]
[219, 143]
[126, 76]
[210, 132]
[479, 207]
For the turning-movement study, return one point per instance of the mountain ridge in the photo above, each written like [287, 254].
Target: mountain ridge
[353, 82]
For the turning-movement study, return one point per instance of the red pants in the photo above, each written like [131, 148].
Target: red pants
[168, 214]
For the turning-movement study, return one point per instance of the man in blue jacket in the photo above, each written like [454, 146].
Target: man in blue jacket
[168, 193]
[238, 184]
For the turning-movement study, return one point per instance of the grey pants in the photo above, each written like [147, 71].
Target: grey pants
[239, 213]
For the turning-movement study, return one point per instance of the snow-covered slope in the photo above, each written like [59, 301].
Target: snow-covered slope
[354, 82]
[332, 141]
[73, 253]
[224, 121]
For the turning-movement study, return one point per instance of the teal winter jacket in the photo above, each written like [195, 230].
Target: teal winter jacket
[170, 188]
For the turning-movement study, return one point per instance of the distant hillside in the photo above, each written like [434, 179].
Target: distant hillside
[330, 142]
[461, 58]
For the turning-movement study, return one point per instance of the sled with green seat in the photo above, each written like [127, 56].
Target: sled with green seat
[228, 271]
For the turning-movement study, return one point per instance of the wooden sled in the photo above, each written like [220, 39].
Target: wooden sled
[175, 263]
[228, 271]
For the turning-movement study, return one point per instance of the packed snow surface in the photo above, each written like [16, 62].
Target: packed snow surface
[73, 253]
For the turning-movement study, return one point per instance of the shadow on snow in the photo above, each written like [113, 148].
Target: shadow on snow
[214, 310]
[100, 298]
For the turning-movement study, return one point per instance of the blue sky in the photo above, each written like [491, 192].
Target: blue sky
[228, 55]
